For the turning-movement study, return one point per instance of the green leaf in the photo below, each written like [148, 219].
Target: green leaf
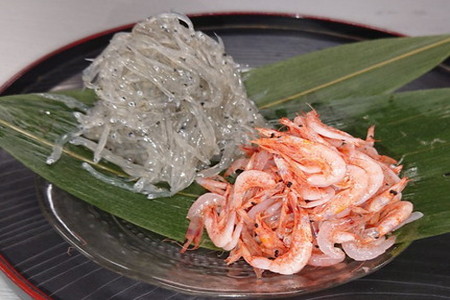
[358, 69]
[409, 125]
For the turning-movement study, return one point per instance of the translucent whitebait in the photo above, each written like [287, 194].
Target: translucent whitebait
[171, 105]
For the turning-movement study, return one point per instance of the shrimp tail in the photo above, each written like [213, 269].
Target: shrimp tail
[193, 234]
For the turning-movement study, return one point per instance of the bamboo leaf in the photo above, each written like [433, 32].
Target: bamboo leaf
[409, 126]
[359, 69]
[406, 124]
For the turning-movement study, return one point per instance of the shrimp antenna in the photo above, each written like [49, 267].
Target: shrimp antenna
[310, 106]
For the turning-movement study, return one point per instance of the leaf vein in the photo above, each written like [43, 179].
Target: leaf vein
[356, 73]
[51, 145]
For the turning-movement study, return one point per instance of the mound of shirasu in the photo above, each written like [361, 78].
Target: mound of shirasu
[171, 105]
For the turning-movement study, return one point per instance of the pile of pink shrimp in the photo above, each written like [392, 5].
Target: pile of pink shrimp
[308, 195]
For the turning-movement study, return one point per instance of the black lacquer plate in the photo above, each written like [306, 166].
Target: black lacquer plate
[43, 258]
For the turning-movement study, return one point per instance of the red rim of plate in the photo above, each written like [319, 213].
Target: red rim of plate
[15, 276]
[21, 281]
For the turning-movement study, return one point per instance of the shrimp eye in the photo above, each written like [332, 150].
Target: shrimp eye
[393, 192]
[276, 253]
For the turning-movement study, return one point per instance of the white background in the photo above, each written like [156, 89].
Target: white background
[30, 29]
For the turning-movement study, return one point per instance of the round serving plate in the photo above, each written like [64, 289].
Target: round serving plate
[133, 252]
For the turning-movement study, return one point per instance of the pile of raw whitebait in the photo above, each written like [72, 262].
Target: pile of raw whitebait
[309, 195]
[171, 106]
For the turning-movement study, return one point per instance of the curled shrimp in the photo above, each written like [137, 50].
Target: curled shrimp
[269, 241]
[298, 128]
[247, 246]
[250, 179]
[316, 196]
[238, 164]
[319, 259]
[313, 122]
[390, 177]
[216, 185]
[261, 207]
[224, 229]
[332, 165]
[288, 173]
[259, 160]
[396, 214]
[380, 201]
[298, 254]
[326, 242]
[373, 170]
[364, 251]
[196, 217]
[338, 231]
[357, 183]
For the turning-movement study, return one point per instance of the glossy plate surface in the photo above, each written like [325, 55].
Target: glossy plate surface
[252, 40]
[138, 253]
